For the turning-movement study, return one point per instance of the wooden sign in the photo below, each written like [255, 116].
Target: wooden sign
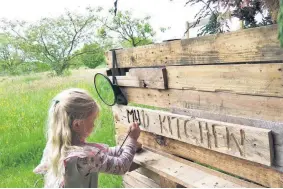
[245, 142]
[258, 173]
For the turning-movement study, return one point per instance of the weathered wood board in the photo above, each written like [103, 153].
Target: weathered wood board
[180, 173]
[245, 142]
[128, 81]
[155, 78]
[136, 180]
[262, 45]
[276, 127]
[152, 77]
[150, 174]
[252, 79]
[121, 131]
[166, 183]
[258, 173]
[217, 173]
[247, 106]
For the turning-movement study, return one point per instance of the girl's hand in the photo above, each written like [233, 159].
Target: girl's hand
[135, 131]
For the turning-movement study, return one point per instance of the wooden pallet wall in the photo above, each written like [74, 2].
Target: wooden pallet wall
[215, 100]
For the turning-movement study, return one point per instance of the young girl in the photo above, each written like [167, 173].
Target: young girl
[68, 161]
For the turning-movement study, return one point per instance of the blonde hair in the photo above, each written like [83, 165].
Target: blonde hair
[67, 106]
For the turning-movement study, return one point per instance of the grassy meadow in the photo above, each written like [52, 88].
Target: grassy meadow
[24, 103]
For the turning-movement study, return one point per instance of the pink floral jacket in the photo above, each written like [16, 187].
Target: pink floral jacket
[93, 158]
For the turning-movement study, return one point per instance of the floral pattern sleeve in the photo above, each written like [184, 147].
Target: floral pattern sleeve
[109, 161]
[114, 151]
[111, 151]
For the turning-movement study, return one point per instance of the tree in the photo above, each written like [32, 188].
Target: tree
[270, 5]
[130, 31]
[55, 40]
[245, 10]
[128, 44]
[11, 54]
[214, 25]
[93, 59]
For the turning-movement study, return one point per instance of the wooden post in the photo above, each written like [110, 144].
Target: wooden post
[241, 24]
[187, 30]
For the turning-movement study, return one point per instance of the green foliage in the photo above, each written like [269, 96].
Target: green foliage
[280, 23]
[128, 44]
[32, 78]
[214, 26]
[30, 67]
[22, 127]
[26, 68]
[55, 40]
[248, 13]
[129, 30]
[93, 59]
[14, 60]
[11, 55]
[71, 40]
[245, 10]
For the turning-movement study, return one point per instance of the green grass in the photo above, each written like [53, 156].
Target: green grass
[31, 78]
[23, 112]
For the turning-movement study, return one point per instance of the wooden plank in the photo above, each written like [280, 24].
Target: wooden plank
[150, 174]
[127, 185]
[276, 127]
[253, 79]
[178, 172]
[131, 181]
[166, 183]
[152, 77]
[144, 179]
[233, 179]
[255, 107]
[208, 182]
[128, 81]
[139, 181]
[241, 141]
[261, 174]
[155, 78]
[250, 45]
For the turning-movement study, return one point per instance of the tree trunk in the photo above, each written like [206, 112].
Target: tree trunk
[62, 68]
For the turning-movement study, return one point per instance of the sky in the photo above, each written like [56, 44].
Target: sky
[164, 13]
